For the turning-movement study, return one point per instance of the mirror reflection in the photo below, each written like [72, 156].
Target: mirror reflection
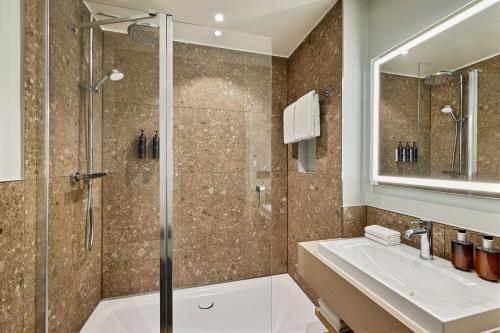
[440, 105]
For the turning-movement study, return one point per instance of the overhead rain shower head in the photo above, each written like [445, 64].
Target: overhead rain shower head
[439, 78]
[114, 75]
[144, 33]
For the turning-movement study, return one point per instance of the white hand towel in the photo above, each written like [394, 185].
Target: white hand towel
[383, 241]
[289, 124]
[382, 232]
[307, 117]
[316, 116]
[330, 315]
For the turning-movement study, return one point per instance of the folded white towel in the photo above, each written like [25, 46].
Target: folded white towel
[316, 115]
[289, 124]
[382, 232]
[307, 117]
[383, 241]
[330, 315]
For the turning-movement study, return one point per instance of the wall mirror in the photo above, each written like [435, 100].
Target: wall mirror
[435, 106]
[11, 90]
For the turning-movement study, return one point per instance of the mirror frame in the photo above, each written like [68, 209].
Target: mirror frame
[413, 182]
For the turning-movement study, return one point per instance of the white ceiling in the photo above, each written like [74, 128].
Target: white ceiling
[264, 26]
[469, 42]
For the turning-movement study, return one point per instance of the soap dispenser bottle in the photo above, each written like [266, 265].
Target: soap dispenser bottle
[400, 150]
[415, 152]
[142, 145]
[487, 260]
[156, 146]
[407, 152]
[462, 252]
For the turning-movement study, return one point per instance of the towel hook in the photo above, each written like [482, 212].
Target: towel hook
[325, 93]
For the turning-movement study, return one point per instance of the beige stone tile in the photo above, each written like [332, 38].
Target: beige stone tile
[314, 210]
[211, 84]
[122, 122]
[12, 262]
[279, 101]
[211, 140]
[122, 158]
[258, 87]
[209, 54]
[131, 209]
[279, 204]
[140, 84]
[131, 268]
[210, 203]
[258, 147]
[353, 221]
[201, 260]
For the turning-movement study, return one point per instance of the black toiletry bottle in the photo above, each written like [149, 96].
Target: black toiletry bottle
[415, 152]
[401, 153]
[142, 145]
[408, 152]
[156, 146]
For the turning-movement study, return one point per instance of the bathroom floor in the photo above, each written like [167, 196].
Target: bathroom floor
[250, 306]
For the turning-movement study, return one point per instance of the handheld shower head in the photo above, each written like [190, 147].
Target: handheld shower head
[447, 109]
[114, 75]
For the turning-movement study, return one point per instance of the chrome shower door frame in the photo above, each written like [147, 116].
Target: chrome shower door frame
[166, 172]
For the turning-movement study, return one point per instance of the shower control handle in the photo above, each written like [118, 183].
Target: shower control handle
[77, 176]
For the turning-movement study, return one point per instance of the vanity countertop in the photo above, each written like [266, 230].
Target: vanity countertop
[426, 296]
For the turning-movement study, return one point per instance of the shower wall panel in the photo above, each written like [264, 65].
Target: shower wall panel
[399, 116]
[222, 138]
[18, 199]
[74, 273]
[443, 130]
[315, 200]
[131, 238]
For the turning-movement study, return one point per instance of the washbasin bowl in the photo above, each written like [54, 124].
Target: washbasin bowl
[431, 293]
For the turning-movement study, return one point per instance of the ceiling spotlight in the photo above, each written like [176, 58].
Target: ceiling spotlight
[404, 52]
[218, 33]
[219, 17]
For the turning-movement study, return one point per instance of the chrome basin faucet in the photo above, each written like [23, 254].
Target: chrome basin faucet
[425, 231]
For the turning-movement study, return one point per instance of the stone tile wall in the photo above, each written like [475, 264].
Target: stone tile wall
[74, 273]
[399, 116]
[18, 199]
[225, 144]
[315, 200]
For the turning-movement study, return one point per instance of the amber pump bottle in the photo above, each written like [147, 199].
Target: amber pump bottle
[487, 260]
[462, 252]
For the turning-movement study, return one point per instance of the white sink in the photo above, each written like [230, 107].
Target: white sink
[431, 293]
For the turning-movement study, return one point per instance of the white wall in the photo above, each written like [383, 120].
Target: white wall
[354, 26]
[11, 90]
[390, 22]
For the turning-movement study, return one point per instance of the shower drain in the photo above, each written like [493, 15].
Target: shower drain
[206, 305]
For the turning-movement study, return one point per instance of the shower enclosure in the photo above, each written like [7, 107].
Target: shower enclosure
[192, 235]
[456, 121]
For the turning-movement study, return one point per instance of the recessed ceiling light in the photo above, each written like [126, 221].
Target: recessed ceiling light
[219, 17]
[404, 52]
[218, 33]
